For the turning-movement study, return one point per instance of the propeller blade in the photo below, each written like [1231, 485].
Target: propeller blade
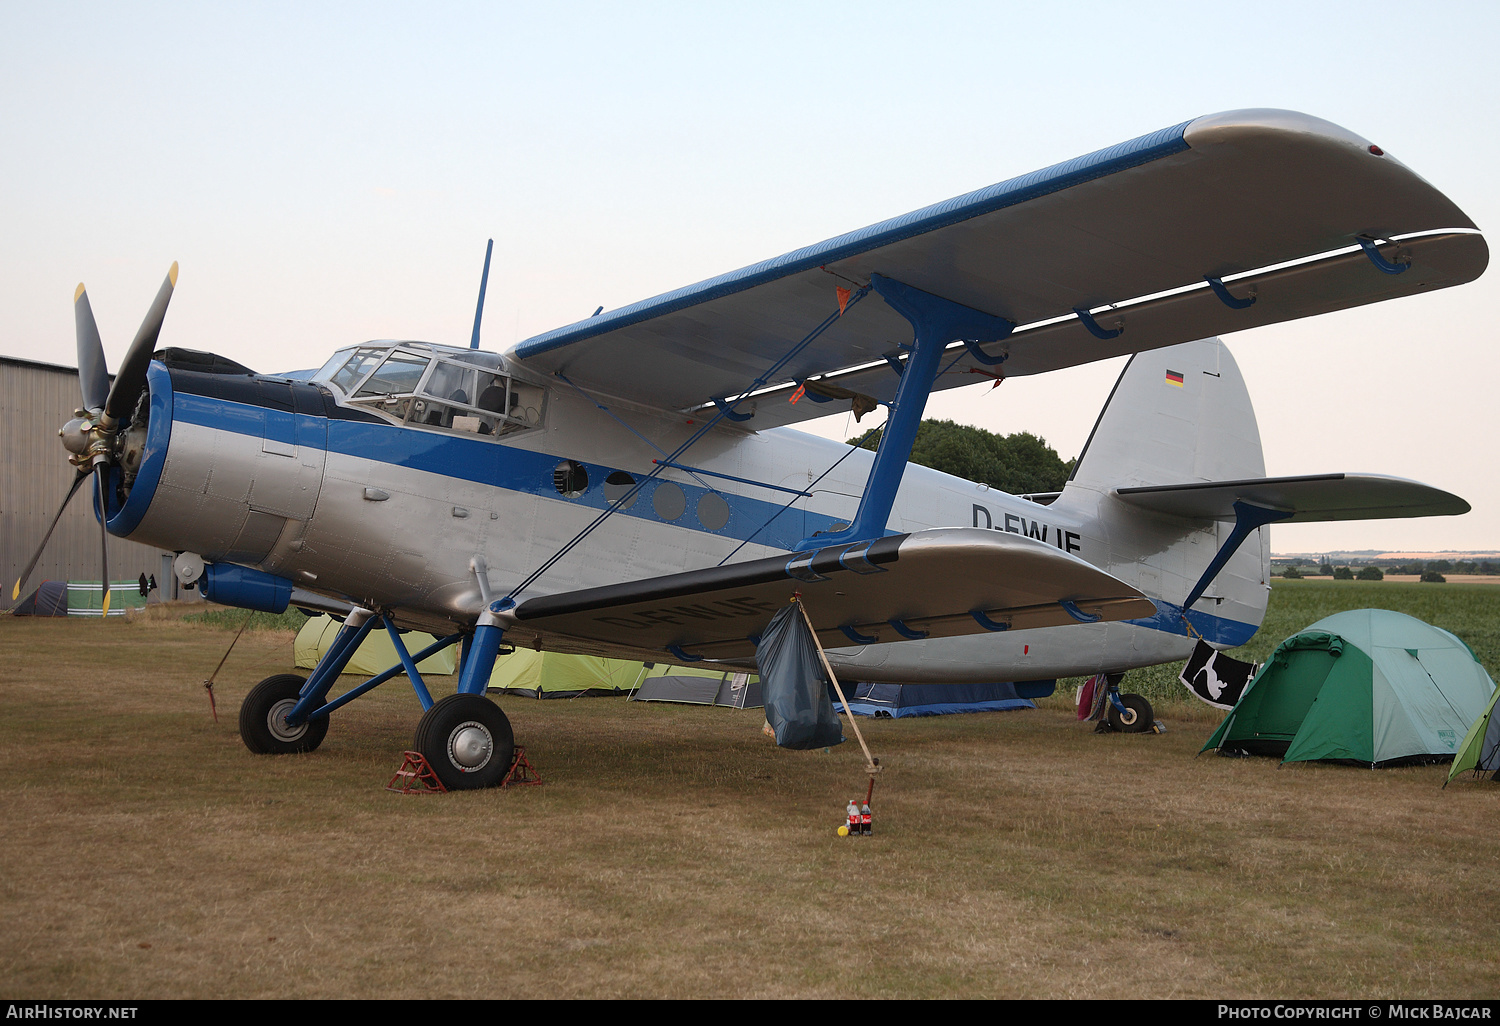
[130, 379]
[15, 593]
[93, 373]
[101, 476]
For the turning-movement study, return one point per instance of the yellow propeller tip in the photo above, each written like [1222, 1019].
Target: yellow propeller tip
[15, 592]
[172, 274]
[78, 292]
[106, 603]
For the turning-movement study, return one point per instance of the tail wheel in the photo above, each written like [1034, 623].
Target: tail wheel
[1137, 718]
[467, 741]
[263, 725]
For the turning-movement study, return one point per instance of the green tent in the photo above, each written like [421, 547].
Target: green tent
[1368, 686]
[1480, 750]
[86, 598]
[374, 655]
[555, 675]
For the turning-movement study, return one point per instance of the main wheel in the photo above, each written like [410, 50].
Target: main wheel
[1137, 718]
[263, 725]
[467, 741]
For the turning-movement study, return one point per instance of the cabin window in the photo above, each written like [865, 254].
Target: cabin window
[459, 392]
[570, 479]
[399, 374]
[360, 364]
[669, 501]
[618, 485]
[713, 511]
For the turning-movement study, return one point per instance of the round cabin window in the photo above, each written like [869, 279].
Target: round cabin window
[713, 511]
[618, 485]
[570, 479]
[668, 501]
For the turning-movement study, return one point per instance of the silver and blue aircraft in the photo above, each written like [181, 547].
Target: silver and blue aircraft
[632, 485]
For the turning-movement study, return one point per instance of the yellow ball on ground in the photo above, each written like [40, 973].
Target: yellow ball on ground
[843, 831]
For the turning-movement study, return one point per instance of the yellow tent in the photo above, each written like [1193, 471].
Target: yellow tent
[554, 675]
[375, 654]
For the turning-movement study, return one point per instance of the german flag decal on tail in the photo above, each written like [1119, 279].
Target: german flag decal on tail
[1174, 378]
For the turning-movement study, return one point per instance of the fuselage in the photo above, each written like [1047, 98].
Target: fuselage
[392, 485]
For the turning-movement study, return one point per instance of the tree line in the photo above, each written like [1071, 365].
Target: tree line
[1020, 464]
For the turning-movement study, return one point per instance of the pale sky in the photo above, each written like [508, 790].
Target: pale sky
[328, 173]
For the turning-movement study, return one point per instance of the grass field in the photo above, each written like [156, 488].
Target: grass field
[675, 852]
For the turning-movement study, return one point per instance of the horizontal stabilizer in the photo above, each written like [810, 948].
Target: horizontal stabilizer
[1308, 499]
[931, 583]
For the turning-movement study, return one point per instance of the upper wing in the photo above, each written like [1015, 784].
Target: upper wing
[1309, 499]
[931, 583]
[1137, 228]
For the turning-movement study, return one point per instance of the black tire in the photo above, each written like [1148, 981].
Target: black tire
[1138, 718]
[263, 713]
[467, 741]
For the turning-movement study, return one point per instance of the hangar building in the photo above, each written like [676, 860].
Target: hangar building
[35, 400]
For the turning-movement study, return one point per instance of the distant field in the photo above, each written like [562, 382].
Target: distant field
[674, 852]
[1414, 578]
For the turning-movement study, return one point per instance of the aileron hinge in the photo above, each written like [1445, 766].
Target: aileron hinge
[1227, 298]
[1094, 329]
[1400, 264]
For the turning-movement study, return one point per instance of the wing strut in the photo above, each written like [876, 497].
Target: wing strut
[935, 322]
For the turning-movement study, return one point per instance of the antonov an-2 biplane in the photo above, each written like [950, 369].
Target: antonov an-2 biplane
[629, 485]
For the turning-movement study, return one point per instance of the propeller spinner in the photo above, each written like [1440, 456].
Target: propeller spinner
[93, 436]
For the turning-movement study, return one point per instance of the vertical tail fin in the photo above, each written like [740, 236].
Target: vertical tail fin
[1177, 414]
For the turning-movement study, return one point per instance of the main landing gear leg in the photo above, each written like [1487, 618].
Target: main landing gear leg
[275, 716]
[465, 738]
[1129, 713]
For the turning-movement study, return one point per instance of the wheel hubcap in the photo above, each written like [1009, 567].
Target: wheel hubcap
[470, 746]
[277, 724]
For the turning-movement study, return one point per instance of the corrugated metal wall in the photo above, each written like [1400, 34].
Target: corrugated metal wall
[35, 400]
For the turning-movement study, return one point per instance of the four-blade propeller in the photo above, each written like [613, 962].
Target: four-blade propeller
[94, 435]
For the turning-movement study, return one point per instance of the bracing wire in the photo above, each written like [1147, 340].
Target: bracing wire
[712, 422]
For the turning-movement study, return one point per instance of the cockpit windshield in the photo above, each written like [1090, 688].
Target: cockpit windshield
[423, 386]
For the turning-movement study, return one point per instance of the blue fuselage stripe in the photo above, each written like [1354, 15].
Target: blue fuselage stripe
[525, 471]
[1219, 630]
[496, 465]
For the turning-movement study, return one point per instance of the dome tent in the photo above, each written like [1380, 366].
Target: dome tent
[1480, 751]
[1368, 686]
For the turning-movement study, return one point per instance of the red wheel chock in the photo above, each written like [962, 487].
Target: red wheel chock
[416, 777]
[521, 770]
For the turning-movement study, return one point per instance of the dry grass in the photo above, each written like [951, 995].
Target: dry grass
[674, 852]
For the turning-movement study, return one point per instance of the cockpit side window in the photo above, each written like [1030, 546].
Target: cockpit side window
[466, 398]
